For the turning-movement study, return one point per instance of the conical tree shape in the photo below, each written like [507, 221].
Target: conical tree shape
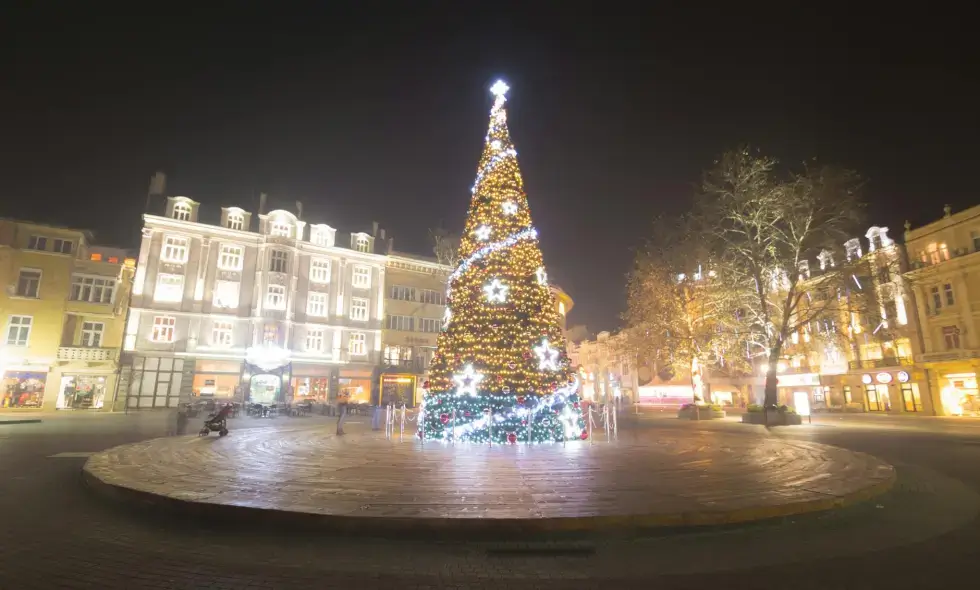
[501, 372]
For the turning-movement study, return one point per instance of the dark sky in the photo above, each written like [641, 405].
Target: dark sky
[379, 113]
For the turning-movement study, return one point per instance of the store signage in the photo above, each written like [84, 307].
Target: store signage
[903, 377]
[866, 379]
[799, 380]
[884, 377]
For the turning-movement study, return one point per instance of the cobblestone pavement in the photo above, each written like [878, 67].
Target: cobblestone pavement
[659, 478]
[56, 535]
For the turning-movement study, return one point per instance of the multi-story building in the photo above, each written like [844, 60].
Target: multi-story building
[859, 353]
[563, 304]
[415, 310]
[63, 308]
[945, 276]
[263, 311]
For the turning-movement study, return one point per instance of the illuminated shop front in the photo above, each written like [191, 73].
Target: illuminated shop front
[355, 386]
[959, 395]
[81, 392]
[216, 379]
[266, 375]
[791, 387]
[666, 395]
[894, 391]
[23, 389]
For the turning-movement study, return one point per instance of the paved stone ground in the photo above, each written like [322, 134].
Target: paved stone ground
[919, 535]
[660, 478]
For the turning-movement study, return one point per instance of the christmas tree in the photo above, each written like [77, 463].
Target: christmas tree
[501, 372]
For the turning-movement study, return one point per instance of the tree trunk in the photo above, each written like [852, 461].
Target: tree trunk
[772, 382]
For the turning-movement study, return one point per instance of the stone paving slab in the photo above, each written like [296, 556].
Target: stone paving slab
[308, 477]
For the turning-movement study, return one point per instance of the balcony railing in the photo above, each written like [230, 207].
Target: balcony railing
[948, 355]
[895, 361]
[83, 353]
[412, 365]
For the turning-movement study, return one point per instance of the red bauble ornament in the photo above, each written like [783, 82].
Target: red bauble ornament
[585, 435]
[520, 399]
[511, 437]
[467, 414]
[444, 418]
[425, 384]
[575, 405]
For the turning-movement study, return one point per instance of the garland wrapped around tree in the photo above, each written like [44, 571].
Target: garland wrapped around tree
[500, 372]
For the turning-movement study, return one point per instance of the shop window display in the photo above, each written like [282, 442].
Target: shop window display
[81, 392]
[22, 389]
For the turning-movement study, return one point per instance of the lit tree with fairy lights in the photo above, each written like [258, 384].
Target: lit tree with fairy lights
[500, 373]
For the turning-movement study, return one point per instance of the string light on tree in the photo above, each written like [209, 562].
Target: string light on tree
[525, 389]
[467, 381]
[547, 356]
[496, 291]
[482, 233]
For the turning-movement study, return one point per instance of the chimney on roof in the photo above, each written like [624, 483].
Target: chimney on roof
[299, 210]
[391, 245]
[374, 228]
[262, 199]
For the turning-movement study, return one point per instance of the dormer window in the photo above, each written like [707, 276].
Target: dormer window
[804, 269]
[853, 248]
[878, 238]
[322, 235]
[182, 211]
[279, 229]
[235, 221]
[362, 243]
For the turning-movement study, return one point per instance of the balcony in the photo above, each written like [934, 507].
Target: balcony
[948, 355]
[411, 365]
[82, 353]
[895, 361]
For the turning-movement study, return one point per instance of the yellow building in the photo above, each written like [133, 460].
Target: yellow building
[945, 274]
[415, 310]
[563, 304]
[63, 309]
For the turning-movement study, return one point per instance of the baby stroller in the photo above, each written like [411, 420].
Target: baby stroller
[217, 422]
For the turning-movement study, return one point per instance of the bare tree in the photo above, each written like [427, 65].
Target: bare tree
[679, 309]
[445, 246]
[763, 228]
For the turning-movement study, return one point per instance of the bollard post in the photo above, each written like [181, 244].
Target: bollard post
[605, 420]
[615, 425]
[401, 428]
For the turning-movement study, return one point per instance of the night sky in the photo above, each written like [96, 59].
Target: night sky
[377, 114]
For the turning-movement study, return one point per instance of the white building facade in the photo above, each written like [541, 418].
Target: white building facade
[269, 310]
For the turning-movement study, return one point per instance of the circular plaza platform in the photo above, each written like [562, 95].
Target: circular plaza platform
[307, 477]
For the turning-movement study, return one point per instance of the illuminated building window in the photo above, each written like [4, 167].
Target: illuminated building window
[402, 323]
[362, 277]
[28, 283]
[401, 293]
[170, 288]
[314, 340]
[221, 334]
[316, 304]
[951, 336]
[226, 294]
[432, 296]
[92, 334]
[280, 230]
[235, 221]
[359, 309]
[270, 335]
[430, 325]
[937, 301]
[19, 330]
[37, 243]
[948, 292]
[174, 249]
[278, 261]
[358, 344]
[63, 246]
[182, 212]
[163, 328]
[561, 307]
[361, 243]
[92, 289]
[320, 270]
[231, 257]
[276, 297]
